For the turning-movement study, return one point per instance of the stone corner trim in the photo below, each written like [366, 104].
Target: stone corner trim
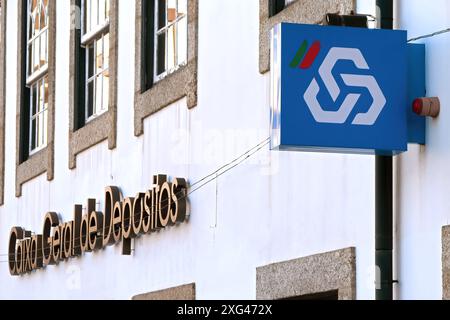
[446, 263]
[105, 126]
[182, 83]
[331, 271]
[304, 11]
[44, 160]
[185, 292]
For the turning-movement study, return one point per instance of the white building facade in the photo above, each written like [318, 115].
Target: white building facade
[124, 97]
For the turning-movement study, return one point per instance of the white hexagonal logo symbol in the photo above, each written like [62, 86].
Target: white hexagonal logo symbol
[341, 116]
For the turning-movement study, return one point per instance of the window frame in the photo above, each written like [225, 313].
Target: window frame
[30, 165]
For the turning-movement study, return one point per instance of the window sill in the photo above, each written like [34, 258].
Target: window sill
[173, 87]
[166, 74]
[36, 165]
[37, 150]
[96, 116]
[94, 132]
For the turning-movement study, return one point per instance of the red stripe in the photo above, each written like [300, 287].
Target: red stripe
[311, 55]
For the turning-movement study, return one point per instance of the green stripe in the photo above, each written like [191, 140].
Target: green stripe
[299, 56]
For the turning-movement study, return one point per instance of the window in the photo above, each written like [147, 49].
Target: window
[166, 56]
[37, 69]
[93, 75]
[35, 90]
[170, 37]
[95, 40]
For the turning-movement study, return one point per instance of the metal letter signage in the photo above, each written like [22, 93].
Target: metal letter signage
[338, 89]
[163, 206]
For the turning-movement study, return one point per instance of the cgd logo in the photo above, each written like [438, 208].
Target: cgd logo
[162, 206]
[305, 58]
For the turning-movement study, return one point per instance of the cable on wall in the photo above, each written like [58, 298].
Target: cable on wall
[430, 35]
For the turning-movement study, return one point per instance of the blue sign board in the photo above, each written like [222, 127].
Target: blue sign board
[339, 89]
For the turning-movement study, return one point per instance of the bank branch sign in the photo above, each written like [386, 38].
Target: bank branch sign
[339, 89]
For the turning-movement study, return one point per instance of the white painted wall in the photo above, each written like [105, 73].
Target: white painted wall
[275, 207]
[424, 172]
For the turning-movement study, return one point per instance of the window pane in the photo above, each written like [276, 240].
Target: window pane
[91, 14]
[101, 11]
[42, 15]
[161, 14]
[40, 126]
[41, 106]
[98, 95]
[33, 130]
[161, 53]
[43, 49]
[94, 13]
[108, 8]
[90, 99]
[171, 39]
[45, 127]
[30, 57]
[37, 35]
[105, 90]
[182, 7]
[36, 57]
[87, 16]
[98, 56]
[182, 41]
[91, 60]
[171, 11]
[171, 48]
[43, 96]
[34, 100]
[106, 51]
